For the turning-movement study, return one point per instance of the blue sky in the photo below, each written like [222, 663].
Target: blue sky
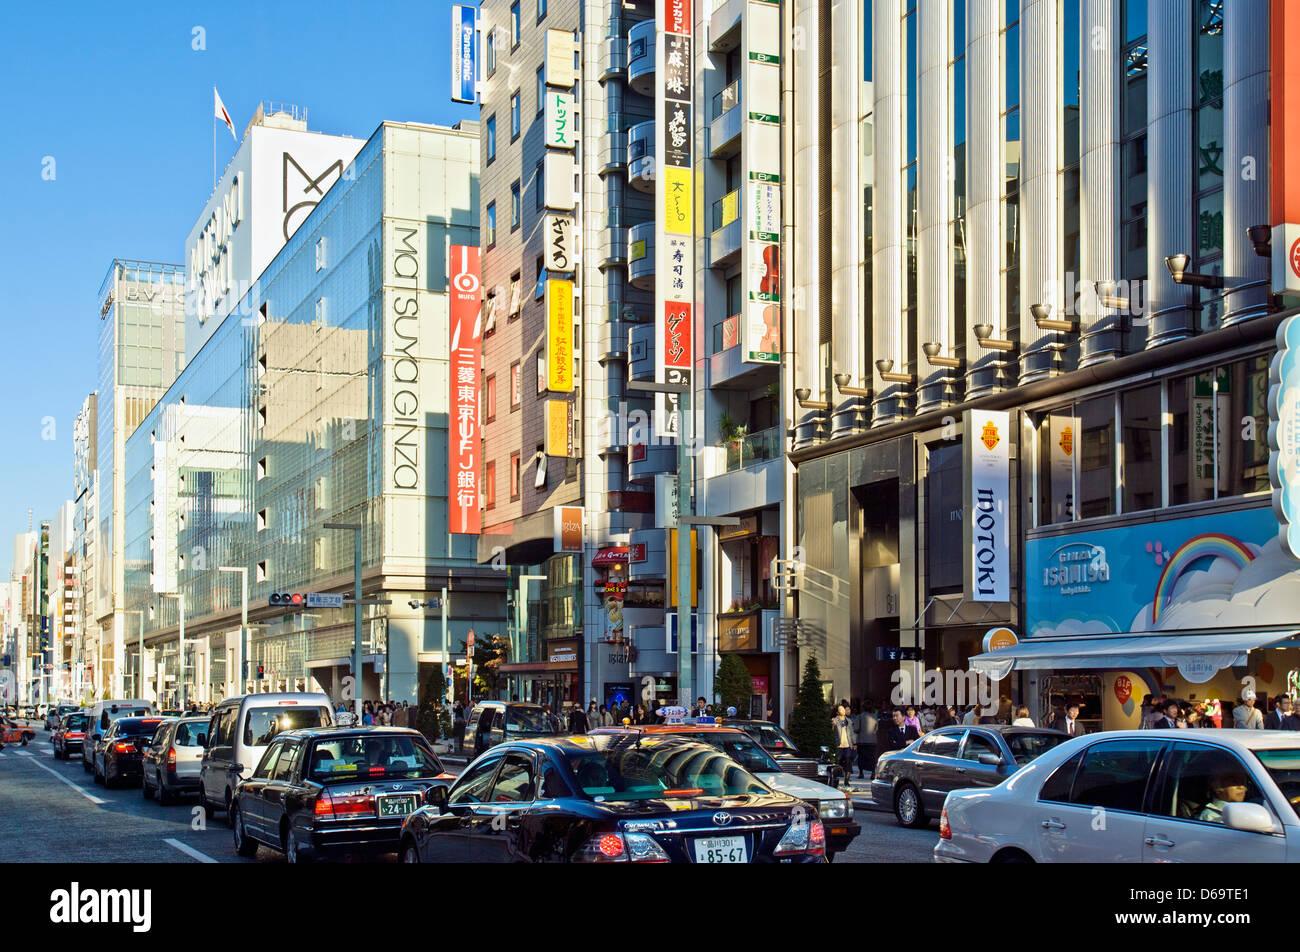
[121, 101]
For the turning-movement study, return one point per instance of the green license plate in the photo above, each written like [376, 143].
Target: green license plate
[397, 805]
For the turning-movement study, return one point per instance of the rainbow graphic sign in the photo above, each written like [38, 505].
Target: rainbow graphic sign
[1127, 578]
[1209, 545]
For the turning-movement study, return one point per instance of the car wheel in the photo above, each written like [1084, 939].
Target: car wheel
[26, 738]
[229, 805]
[85, 766]
[209, 811]
[292, 851]
[144, 787]
[1011, 856]
[410, 854]
[95, 775]
[243, 845]
[165, 797]
[908, 809]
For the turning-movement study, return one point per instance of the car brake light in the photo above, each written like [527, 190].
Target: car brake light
[817, 839]
[685, 792]
[171, 759]
[286, 703]
[353, 806]
[945, 831]
[324, 805]
[603, 848]
[123, 748]
[802, 838]
[611, 845]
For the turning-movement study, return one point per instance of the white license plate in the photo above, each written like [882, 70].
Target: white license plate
[823, 770]
[721, 849]
[396, 805]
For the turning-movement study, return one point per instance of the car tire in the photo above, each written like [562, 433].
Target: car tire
[144, 788]
[85, 765]
[293, 852]
[244, 846]
[1012, 856]
[229, 804]
[165, 797]
[26, 738]
[204, 805]
[410, 853]
[94, 773]
[908, 809]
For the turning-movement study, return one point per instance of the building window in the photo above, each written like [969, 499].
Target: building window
[541, 10]
[539, 291]
[514, 386]
[514, 476]
[320, 253]
[514, 25]
[259, 574]
[490, 398]
[516, 295]
[957, 224]
[514, 115]
[491, 138]
[1141, 415]
[491, 224]
[514, 205]
[541, 370]
[1011, 164]
[1232, 400]
[491, 52]
[1133, 166]
[539, 179]
[490, 485]
[1208, 151]
[261, 520]
[541, 91]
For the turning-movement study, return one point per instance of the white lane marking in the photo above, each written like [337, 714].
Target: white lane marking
[22, 753]
[189, 851]
[77, 787]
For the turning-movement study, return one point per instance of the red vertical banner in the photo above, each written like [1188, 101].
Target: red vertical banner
[464, 433]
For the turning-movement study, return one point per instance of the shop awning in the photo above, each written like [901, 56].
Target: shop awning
[1197, 655]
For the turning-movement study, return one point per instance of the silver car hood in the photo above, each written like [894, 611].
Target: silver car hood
[801, 787]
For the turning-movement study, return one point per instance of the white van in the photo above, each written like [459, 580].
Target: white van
[102, 715]
[239, 732]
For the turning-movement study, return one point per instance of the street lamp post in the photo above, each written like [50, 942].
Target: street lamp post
[356, 636]
[180, 646]
[243, 620]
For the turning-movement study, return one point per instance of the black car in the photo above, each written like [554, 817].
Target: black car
[327, 791]
[610, 798]
[116, 757]
[914, 781]
[773, 739]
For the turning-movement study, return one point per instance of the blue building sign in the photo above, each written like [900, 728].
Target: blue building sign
[464, 53]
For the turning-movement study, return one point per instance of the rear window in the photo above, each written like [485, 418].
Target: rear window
[263, 723]
[1026, 747]
[372, 755]
[137, 727]
[652, 769]
[187, 735]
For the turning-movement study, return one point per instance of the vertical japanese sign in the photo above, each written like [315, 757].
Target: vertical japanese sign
[986, 524]
[559, 336]
[559, 120]
[761, 322]
[464, 47]
[675, 222]
[464, 442]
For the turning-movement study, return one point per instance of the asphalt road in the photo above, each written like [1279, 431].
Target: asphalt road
[51, 811]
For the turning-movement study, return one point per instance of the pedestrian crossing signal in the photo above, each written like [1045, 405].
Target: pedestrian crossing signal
[261, 672]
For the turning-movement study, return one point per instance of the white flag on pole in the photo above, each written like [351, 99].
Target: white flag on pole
[220, 110]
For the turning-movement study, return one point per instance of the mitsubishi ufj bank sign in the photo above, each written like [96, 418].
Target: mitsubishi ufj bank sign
[985, 523]
[463, 437]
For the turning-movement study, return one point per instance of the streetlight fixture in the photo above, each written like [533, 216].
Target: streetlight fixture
[842, 385]
[355, 528]
[803, 393]
[1177, 265]
[885, 367]
[984, 337]
[933, 351]
[1046, 322]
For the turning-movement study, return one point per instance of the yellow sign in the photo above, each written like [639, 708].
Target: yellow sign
[559, 336]
[990, 435]
[1067, 441]
[677, 201]
[671, 598]
[557, 428]
[730, 208]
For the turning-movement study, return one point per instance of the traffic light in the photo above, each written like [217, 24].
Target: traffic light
[261, 672]
[288, 599]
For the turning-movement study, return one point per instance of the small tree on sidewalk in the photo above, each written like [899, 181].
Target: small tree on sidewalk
[428, 720]
[810, 721]
[733, 685]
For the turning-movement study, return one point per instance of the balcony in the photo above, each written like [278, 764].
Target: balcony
[641, 352]
[728, 370]
[724, 25]
[613, 341]
[751, 449]
[641, 157]
[724, 240]
[613, 152]
[724, 129]
[612, 248]
[654, 545]
[645, 462]
[641, 58]
[641, 256]
[613, 59]
[744, 477]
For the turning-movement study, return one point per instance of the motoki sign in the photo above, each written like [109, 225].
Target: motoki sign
[987, 504]
[463, 440]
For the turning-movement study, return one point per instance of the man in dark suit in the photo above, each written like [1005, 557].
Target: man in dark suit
[1173, 711]
[901, 734]
[1283, 717]
[1069, 722]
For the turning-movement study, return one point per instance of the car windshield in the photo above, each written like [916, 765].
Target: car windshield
[372, 755]
[1025, 747]
[264, 723]
[137, 727]
[651, 768]
[122, 712]
[528, 720]
[1284, 767]
[740, 747]
[74, 722]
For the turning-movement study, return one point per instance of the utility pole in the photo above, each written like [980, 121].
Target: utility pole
[356, 634]
[243, 621]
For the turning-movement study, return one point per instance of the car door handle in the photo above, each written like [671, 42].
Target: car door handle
[1053, 825]
[1158, 841]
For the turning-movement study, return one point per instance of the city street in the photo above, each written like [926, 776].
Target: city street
[53, 812]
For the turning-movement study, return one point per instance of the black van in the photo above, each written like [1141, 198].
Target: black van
[491, 722]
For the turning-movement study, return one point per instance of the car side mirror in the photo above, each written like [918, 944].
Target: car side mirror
[237, 768]
[436, 797]
[992, 760]
[1248, 817]
[203, 740]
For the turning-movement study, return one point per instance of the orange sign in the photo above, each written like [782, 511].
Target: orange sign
[568, 528]
[1067, 441]
[996, 638]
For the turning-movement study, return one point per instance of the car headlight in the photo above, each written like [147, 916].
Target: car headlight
[836, 809]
